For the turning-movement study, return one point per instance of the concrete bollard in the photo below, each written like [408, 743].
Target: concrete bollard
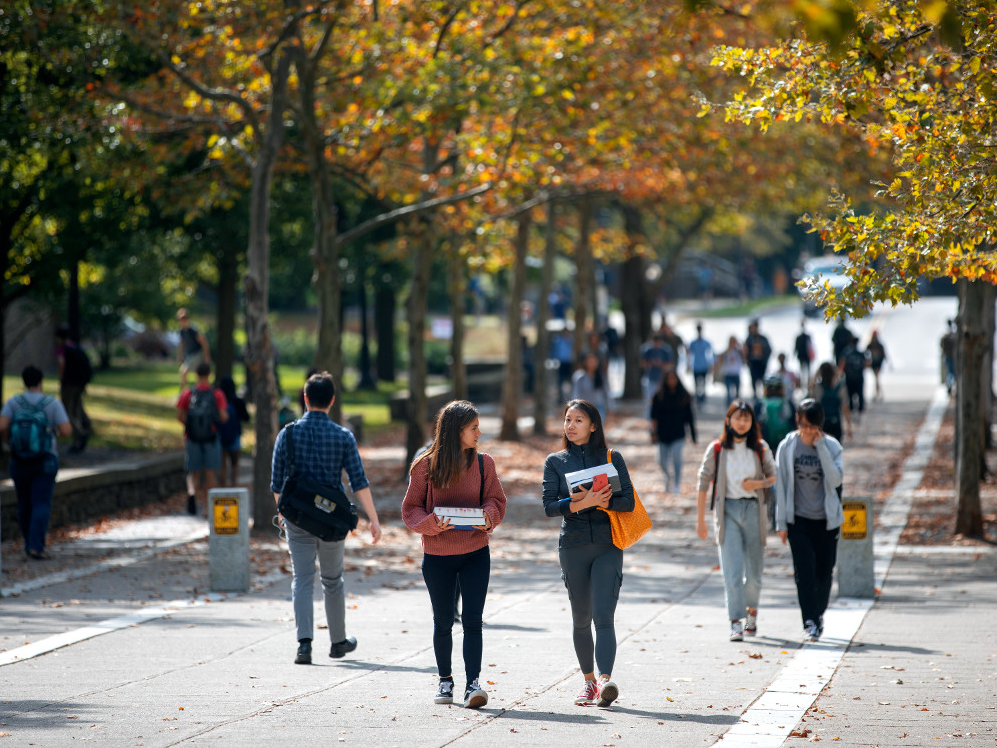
[228, 539]
[856, 575]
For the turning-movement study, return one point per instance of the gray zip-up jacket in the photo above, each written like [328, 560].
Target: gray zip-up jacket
[764, 468]
[589, 525]
[829, 451]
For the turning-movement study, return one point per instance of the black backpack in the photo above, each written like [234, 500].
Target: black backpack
[202, 415]
[78, 371]
[830, 399]
[854, 364]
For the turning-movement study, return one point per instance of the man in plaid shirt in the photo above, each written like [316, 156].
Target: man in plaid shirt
[322, 450]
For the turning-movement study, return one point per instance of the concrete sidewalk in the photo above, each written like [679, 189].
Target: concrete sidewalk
[153, 659]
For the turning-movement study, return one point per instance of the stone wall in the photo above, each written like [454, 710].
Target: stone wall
[81, 494]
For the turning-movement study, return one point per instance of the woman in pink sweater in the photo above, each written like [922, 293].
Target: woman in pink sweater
[451, 473]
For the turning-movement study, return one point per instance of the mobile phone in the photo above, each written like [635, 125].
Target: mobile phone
[600, 482]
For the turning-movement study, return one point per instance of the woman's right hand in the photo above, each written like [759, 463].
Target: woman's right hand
[701, 530]
[587, 498]
[443, 523]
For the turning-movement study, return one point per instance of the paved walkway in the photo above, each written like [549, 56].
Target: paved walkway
[138, 652]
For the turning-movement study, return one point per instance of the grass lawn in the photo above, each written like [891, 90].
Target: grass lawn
[134, 407]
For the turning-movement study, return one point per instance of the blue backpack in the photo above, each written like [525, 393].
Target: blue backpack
[30, 430]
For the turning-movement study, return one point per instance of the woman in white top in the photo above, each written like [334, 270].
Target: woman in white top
[740, 466]
[728, 367]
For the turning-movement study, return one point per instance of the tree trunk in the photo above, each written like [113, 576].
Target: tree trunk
[456, 272]
[259, 348]
[384, 321]
[367, 381]
[228, 291]
[986, 370]
[418, 410]
[633, 301]
[583, 274]
[512, 386]
[970, 356]
[73, 305]
[541, 380]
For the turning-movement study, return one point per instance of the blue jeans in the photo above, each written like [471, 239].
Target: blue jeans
[442, 575]
[304, 547]
[34, 484]
[741, 556]
[670, 455]
[733, 383]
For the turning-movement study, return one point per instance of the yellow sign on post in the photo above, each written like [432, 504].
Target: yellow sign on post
[855, 526]
[226, 516]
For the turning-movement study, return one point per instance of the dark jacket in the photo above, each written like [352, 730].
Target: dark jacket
[589, 525]
[670, 412]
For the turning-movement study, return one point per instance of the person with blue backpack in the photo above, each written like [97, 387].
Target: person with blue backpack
[30, 423]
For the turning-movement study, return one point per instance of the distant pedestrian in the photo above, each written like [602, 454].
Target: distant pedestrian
[655, 359]
[192, 349]
[728, 367]
[230, 432]
[808, 511]
[803, 347]
[740, 466]
[841, 336]
[562, 351]
[671, 412]
[589, 383]
[853, 363]
[701, 360]
[757, 352]
[201, 409]
[790, 380]
[322, 451]
[829, 391]
[948, 345]
[75, 374]
[452, 473]
[877, 356]
[30, 423]
[673, 341]
[591, 566]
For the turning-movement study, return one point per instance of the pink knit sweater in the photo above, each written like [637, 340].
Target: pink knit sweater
[421, 497]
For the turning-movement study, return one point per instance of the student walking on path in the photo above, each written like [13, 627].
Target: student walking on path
[452, 473]
[591, 566]
[728, 367]
[589, 383]
[322, 450]
[30, 423]
[701, 360]
[877, 356]
[671, 412]
[202, 410]
[740, 467]
[808, 510]
[829, 390]
[75, 374]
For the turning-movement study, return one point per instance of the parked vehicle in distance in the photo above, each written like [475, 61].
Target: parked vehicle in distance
[829, 268]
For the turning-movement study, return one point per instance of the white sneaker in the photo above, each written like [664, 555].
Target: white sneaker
[736, 631]
[608, 693]
[811, 632]
[475, 696]
[445, 694]
[751, 624]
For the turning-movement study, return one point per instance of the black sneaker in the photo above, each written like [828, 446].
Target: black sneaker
[304, 656]
[191, 505]
[474, 695]
[343, 648]
[810, 631]
[445, 694]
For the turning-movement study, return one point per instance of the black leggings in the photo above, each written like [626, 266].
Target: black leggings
[593, 574]
[442, 574]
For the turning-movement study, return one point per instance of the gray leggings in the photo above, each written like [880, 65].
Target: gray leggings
[593, 574]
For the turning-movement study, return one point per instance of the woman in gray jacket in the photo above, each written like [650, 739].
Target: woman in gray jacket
[740, 466]
[591, 566]
[808, 510]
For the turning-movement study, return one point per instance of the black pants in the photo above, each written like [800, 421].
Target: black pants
[815, 550]
[856, 393]
[442, 574]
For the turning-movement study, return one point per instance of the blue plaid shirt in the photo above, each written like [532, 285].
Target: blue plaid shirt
[322, 450]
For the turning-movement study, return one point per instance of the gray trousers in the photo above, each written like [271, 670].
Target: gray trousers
[304, 547]
[593, 574]
[741, 557]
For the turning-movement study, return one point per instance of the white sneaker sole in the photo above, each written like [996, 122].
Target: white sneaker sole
[476, 700]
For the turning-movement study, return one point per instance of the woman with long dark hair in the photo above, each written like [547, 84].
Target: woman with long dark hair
[671, 411]
[452, 473]
[591, 566]
[740, 466]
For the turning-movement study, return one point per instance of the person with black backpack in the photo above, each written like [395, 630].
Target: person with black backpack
[75, 374]
[30, 423]
[201, 409]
